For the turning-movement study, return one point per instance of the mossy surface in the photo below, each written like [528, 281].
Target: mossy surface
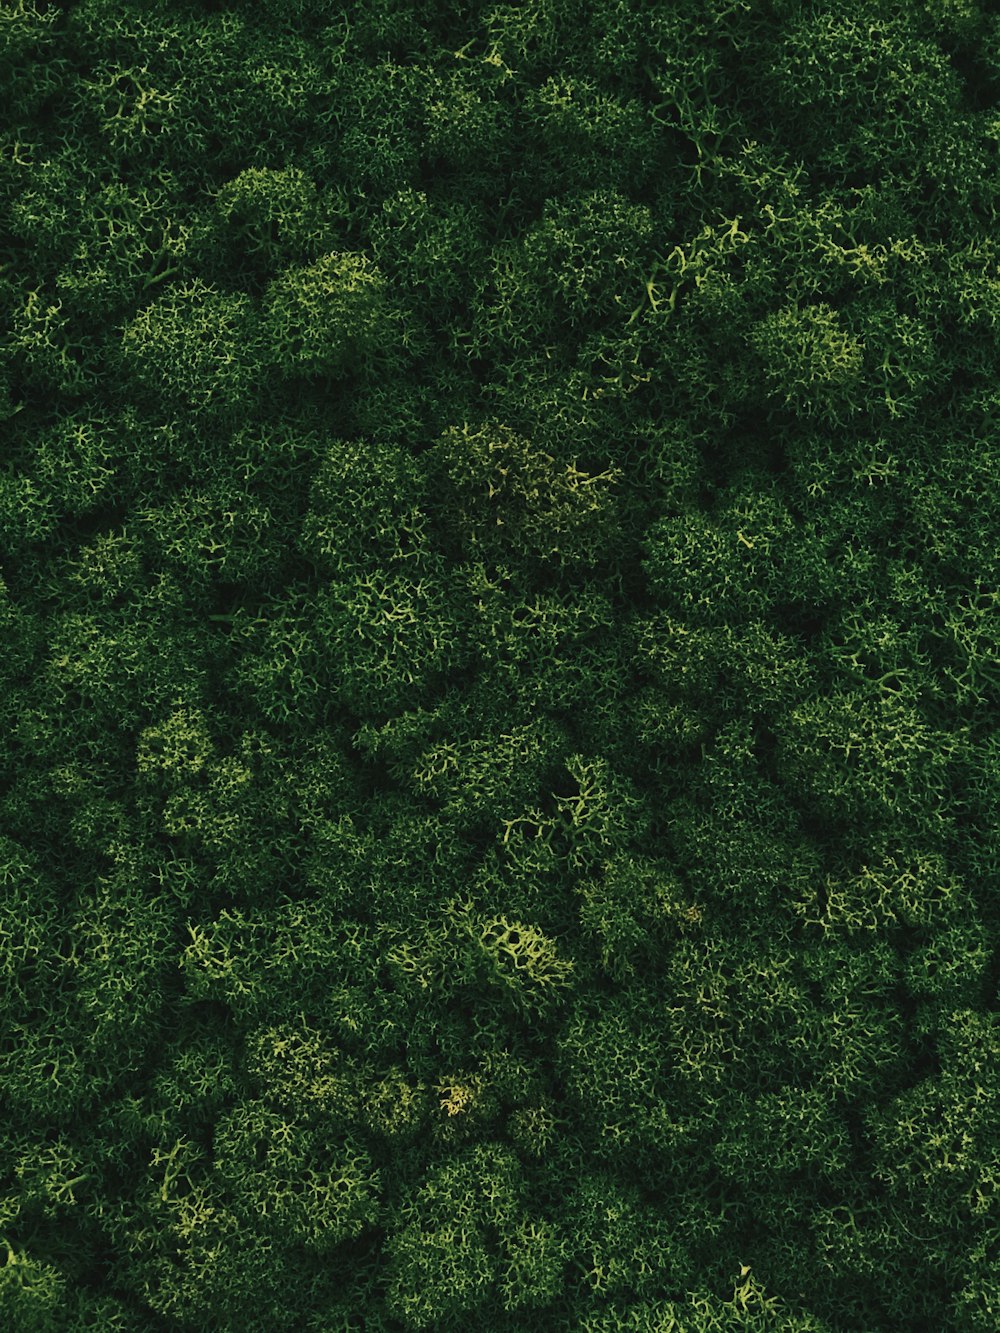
[499, 666]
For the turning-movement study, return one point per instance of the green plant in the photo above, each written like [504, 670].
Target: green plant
[325, 318]
[498, 761]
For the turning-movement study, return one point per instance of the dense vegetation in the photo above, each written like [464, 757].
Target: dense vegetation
[498, 703]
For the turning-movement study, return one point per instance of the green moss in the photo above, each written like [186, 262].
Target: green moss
[499, 678]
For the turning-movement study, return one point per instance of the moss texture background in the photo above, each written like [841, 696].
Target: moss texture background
[499, 678]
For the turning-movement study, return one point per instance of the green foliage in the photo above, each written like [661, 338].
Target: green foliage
[215, 963]
[462, 1234]
[177, 749]
[586, 138]
[553, 649]
[200, 92]
[736, 831]
[389, 638]
[28, 907]
[631, 909]
[26, 512]
[464, 949]
[326, 318]
[726, 567]
[31, 1293]
[277, 660]
[121, 937]
[932, 1141]
[524, 961]
[380, 147]
[951, 969]
[188, 1261]
[191, 350]
[582, 264]
[490, 777]
[272, 216]
[811, 364]
[297, 1183]
[300, 1070]
[465, 125]
[499, 496]
[600, 810]
[366, 508]
[50, 1177]
[428, 244]
[703, 1040]
[871, 64]
[904, 887]
[203, 538]
[617, 1069]
[531, 42]
[863, 754]
[76, 464]
[619, 1244]
[45, 1068]
[860, 1031]
[25, 26]
[49, 353]
[316, 963]
[129, 663]
[782, 1133]
[195, 1081]
[498, 762]
[126, 246]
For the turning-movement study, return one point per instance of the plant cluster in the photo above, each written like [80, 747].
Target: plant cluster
[501, 666]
